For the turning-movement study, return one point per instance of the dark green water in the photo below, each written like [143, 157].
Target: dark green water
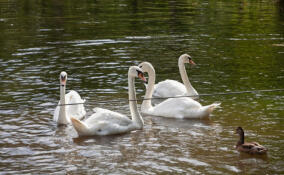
[237, 46]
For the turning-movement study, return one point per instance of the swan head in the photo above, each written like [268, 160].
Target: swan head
[146, 67]
[185, 58]
[63, 78]
[135, 71]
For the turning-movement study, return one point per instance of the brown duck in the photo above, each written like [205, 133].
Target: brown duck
[251, 148]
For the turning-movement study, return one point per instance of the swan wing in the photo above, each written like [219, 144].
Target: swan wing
[102, 127]
[177, 108]
[103, 122]
[108, 128]
[169, 88]
[76, 111]
[105, 115]
[97, 109]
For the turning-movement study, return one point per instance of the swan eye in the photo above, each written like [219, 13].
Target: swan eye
[139, 72]
[63, 77]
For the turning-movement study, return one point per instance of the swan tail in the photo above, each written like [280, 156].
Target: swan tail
[80, 127]
[213, 106]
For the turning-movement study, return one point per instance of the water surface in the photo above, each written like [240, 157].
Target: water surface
[237, 46]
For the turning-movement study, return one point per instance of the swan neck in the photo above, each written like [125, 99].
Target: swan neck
[147, 104]
[135, 115]
[62, 112]
[185, 79]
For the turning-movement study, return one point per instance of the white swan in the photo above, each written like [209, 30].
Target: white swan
[172, 88]
[183, 107]
[106, 122]
[62, 113]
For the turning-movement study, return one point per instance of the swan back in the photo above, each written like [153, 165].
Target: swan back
[169, 88]
[103, 122]
[183, 107]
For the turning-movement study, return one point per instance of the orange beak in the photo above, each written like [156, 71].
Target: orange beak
[191, 62]
[63, 82]
[141, 76]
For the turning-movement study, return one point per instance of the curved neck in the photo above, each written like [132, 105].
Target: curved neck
[135, 115]
[62, 111]
[190, 90]
[146, 104]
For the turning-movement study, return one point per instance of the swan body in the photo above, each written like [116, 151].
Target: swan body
[171, 88]
[62, 113]
[183, 107]
[250, 148]
[106, 122]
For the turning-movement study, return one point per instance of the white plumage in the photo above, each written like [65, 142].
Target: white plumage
[103, 122]
[63, 113]
[106, 122]
[171, 88]
[183, 107]
[76, 111]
